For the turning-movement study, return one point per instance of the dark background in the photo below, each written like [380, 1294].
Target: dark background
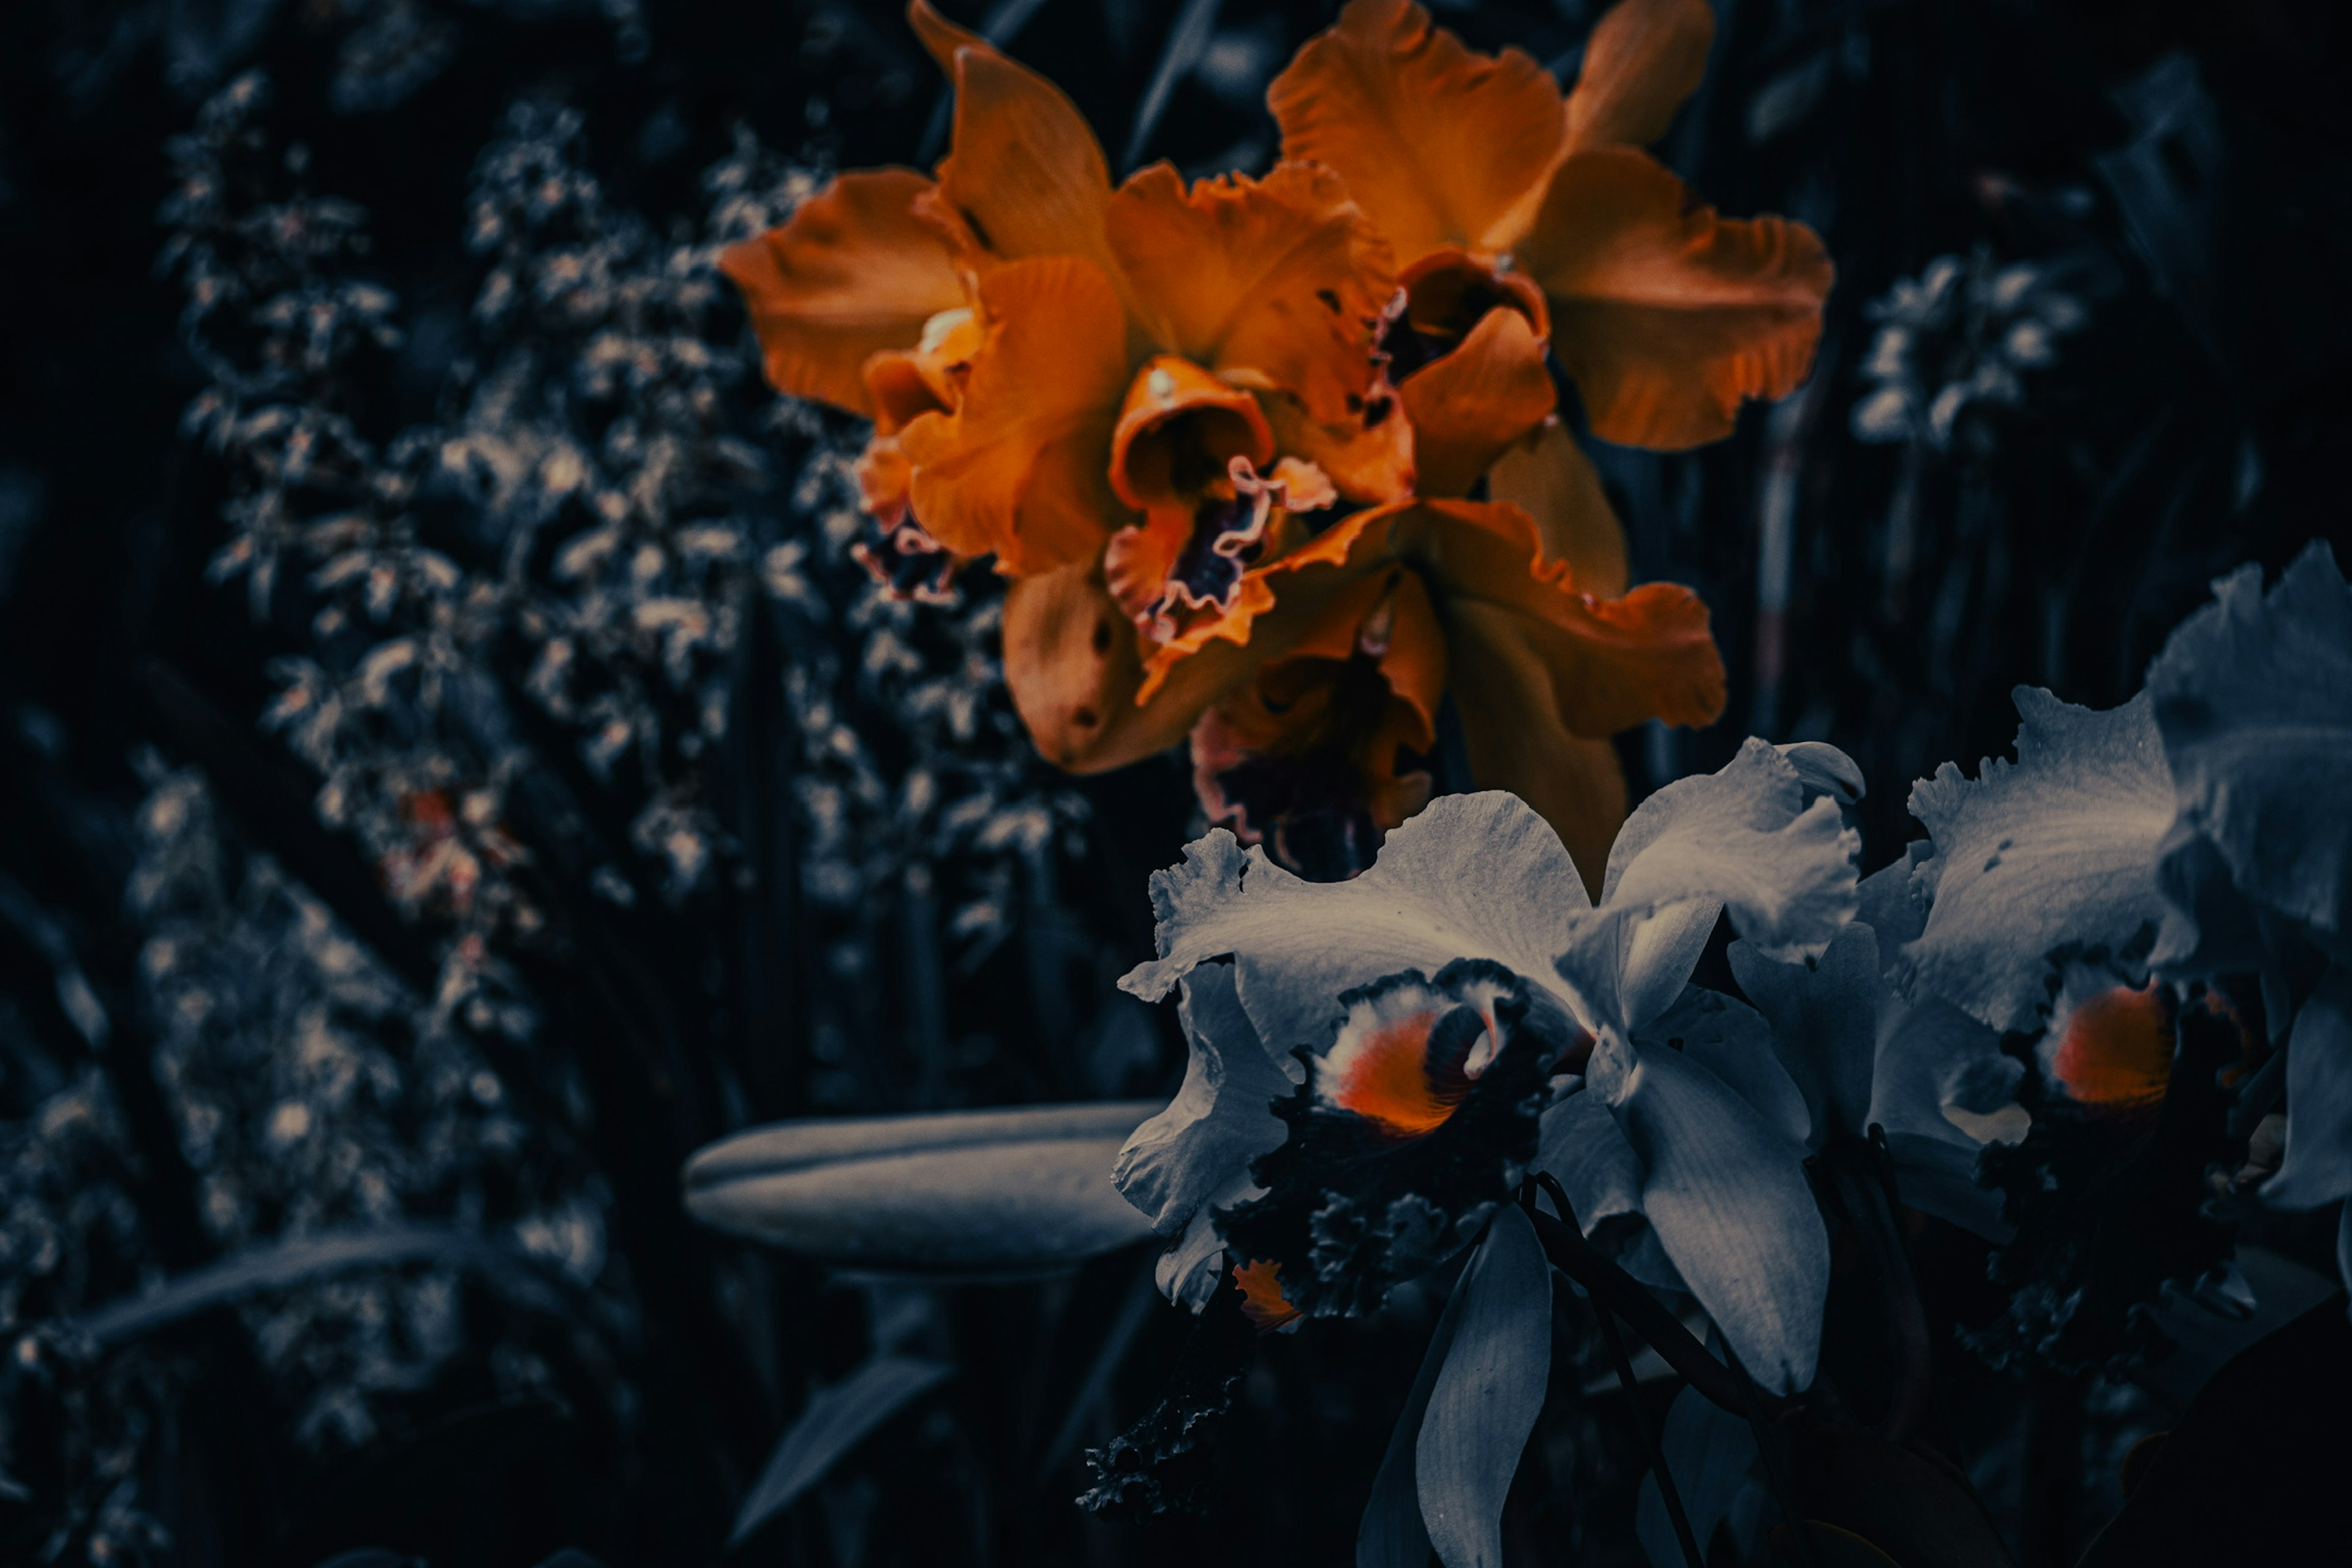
[2178, 172]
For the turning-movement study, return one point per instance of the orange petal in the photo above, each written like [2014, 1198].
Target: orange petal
[1441, 145]
[1643, 59]
[1614, 662]
[905, 383]
[1307, 756]
[1025, 175]
[1275, 283]
[2117, 1051]
[1666, 315]
[1179, 429]
[1511, 731]
[1466, 406]
[1307, 582]
[1368, 458]
[1449, 291]
[853, 274]
[1549, 478]
[1262, 1303]
[1020, 469]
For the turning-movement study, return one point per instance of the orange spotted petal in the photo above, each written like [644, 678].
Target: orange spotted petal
[854, 274]
[1262, 1303]
[1024, 175]
[1367, 458]
[1020, 468]
[1275, 283]
[1643, 59]
[1468, 405]
[1441, 145]
[1666, 315]
[1549, 477]
[2116, 1052]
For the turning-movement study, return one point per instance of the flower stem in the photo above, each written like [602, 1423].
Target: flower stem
[1653, 1449]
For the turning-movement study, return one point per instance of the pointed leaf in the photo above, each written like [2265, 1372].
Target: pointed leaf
[836, 1420]
[968, 1191]
[1488, 1395]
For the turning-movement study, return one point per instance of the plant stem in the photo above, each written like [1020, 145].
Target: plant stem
[1653, 1448]
[1581, 1261]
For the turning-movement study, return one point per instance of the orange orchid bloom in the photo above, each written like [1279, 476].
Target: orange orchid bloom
[1219, 436]
[1167, 360]
[1517, 214]
[1525, 223]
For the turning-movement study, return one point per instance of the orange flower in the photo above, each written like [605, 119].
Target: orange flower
[1503, 199]
[1135, 357]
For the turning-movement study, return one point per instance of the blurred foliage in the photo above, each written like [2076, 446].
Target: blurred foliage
[453, 766]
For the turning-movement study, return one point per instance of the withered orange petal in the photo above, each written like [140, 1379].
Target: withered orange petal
[1262, 1303]
[1023, 175]
[853, 274]
[2117, 1050]
[1368, 458]
[1468, 405]
[1506, 695]
[1020, 469]
[1275, 283]
[1178, 428]
[1549, 477]
[1666, 315]
[1643, 59]
[1441, 145]
[1615, 662]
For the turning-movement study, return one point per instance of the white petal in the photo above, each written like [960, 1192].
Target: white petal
[1474, 876]
[1221, 1118]
[1727, 1196]
[2253, 695]
[2054, 851]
